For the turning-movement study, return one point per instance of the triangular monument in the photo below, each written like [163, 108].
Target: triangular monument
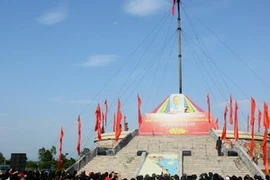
[176, 115]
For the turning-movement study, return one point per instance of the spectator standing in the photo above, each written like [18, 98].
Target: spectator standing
[218, 146]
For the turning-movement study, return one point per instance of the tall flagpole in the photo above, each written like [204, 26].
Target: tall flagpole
[179, 47]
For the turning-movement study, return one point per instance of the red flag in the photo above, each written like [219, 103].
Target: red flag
[217, 126]
[265, 137]
[173, 11]
[248, 123]
[259, 120]
[106, 111]
[252, 145]
[79, 136]
[265, 115]
[118, 121]
[265, 149]
[97, 112]
[114, 123]
[60, 163]
[209, 108]
[225, 114]
[252, 120]
[224, 131]
[252, 111]
[236, 133]
[231, 110]
[139, 110]
[103, 120]
[98, 122]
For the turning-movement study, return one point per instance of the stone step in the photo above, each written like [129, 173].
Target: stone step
[221, 165]
[203, 149]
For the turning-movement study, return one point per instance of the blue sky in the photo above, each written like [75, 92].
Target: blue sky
[55, 56]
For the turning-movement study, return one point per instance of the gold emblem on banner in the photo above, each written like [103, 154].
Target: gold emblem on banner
[176, 131]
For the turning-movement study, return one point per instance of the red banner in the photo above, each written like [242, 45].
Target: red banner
[176, 124]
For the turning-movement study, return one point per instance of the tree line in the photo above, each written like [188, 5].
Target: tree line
[46, 159]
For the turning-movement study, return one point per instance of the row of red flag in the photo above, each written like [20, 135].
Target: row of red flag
[233, 120]
[117, 119]
[78, 147]
[101, 122]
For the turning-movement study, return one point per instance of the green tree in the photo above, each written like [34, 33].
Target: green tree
[46, 158]
[2, 158]
[31, 165]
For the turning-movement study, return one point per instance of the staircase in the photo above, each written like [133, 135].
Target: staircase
[204, 157]
[125, 162]
[222, 165]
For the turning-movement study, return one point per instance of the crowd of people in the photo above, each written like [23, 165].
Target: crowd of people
[62, 175]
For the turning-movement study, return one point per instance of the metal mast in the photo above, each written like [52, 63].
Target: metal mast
[179, 47]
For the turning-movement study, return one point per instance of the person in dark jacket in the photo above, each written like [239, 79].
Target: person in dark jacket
[218, 146]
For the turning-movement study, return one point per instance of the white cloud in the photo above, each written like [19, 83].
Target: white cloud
[54, 16]
[3, 114]
[145, 7]
[99, 60]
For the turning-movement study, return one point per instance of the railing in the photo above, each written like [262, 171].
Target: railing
[242, 154]
[213, 134]
[143, 157]
[248, 161]
[180, 163]
[125, 141]
[81, 162]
